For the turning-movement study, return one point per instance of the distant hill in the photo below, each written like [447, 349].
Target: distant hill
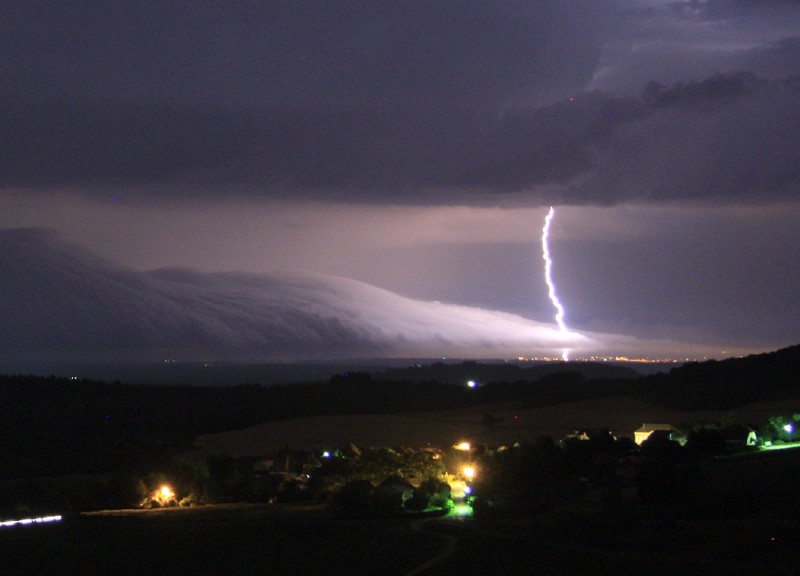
[486, 372]
[709, 385]
[52, 425]
[731, 382]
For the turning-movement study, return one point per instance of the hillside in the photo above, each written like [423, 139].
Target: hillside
[511, 423]
[486, 372]
[441, 428]
[728, 383]
[59, 426]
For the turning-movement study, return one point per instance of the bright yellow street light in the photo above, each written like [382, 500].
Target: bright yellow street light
[164, 495]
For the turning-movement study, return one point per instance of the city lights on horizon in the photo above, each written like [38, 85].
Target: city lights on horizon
[614, 358]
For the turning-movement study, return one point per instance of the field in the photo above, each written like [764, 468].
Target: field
[261, 539]
[310, 539]
[512, 424]
[215, 540]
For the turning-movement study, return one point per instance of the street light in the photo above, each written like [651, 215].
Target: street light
[164, 495]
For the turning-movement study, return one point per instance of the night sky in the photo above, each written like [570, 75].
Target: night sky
[417, 146]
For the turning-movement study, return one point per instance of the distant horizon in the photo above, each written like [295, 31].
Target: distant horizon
[228, 373]
[63, 303]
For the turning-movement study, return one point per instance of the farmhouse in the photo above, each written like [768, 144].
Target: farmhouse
[643, 433]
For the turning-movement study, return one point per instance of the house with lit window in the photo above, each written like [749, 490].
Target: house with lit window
[643, 433]
[739, 436]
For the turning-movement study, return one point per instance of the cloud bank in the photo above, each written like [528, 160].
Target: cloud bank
[59, 302]
[727, 137]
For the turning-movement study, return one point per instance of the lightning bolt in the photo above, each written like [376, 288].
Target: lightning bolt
[548, 276]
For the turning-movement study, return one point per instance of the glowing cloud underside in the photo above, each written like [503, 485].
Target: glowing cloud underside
[548, 276]
[61, 303]
[89, 307]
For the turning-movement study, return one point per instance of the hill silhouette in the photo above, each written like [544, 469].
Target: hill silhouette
[728, 383]
[59, 426]
[489, 372]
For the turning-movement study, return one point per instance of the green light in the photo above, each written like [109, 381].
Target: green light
[463, 510]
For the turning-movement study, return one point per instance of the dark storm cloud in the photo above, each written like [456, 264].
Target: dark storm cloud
[316, 53]
[400, 102]
[301, 95]
[726, 136]
[682, 41]
[723, 9]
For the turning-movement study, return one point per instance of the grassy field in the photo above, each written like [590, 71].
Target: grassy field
[444, 428]
[295, 539]
[215, 540]
[532, 552]
[262, 539]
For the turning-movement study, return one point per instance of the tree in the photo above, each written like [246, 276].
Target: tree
[705, 442]
[783, 428]
[355, 496]
[523, 478]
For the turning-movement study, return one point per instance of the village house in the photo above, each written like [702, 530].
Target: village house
[643, 433]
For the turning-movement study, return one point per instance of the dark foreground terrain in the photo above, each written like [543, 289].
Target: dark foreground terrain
[311, 540]
[600, 506]
[214, 540]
